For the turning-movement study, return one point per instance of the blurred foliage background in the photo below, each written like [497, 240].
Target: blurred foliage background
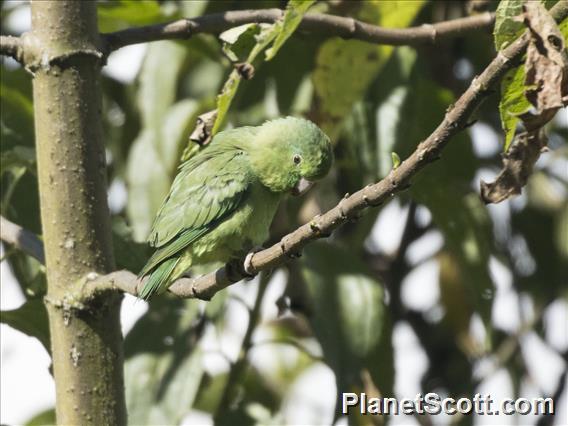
[497, 273]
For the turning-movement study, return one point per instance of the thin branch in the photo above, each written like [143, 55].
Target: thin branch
[21, 238]
[327, 25]
[11, 46]
[350, 207]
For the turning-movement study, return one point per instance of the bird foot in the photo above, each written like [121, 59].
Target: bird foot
[248, 267]
[237, 270]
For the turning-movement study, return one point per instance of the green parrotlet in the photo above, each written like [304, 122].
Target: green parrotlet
[223, 200]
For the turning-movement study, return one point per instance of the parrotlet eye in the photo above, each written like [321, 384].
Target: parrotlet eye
[297, 159]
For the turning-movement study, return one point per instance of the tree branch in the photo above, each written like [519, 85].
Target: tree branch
[21, 238]
[350, 207]
[12, 46]
[327, 25]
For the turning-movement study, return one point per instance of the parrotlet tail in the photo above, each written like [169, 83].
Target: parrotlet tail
[159, 279]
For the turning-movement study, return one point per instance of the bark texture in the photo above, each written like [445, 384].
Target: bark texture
[86, 339]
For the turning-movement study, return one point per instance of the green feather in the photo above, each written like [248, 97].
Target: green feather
[159, 279]
[223, 199]
[176, 246]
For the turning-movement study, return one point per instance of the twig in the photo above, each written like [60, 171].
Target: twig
[328, 25]
[11, 46]
[21, 238]
[349, 208]
[206, 286]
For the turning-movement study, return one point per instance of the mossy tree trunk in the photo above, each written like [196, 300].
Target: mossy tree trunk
[86, 338]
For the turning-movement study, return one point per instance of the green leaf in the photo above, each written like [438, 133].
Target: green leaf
[395, 160]
[445, 188]
[17, 118]
[538, 228]
[129, 254]
[119, 14]
[254, 388]
[508, 22]
[513, 102]
[30, 319]
[159, 77]
[347, 309]
[44, 418]
[150, 170]
[263, 35]
[563, 27]
[239, 41]
[148, 184]
[19, 198]
[295, 10]
[177, 125]
[13, 165]
[163, 369]
[562, 232]
[246, 42]
[335, 86]
[225, 99]
[19, 157]
[154, 155]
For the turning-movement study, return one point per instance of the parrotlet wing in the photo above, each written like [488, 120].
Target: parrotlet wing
[207, 189]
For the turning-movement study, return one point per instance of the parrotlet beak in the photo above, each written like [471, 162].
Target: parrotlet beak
[302, 187]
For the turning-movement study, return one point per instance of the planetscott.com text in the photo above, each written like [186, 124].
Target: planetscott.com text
[432, 403]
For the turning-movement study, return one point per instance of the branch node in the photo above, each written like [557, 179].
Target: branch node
[315, 227]
[13, 47]
[245, 70]
[345, 27]
[342, 214]
[433, 32]
[352, 26]
[201, 135]
[92, 276]
[366, 199]
[373, 194]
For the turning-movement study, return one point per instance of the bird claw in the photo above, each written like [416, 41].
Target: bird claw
[248, 268]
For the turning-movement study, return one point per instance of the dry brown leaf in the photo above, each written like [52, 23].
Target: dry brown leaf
[546, 79]
[518, 164]
[546, 65]
[202, 132]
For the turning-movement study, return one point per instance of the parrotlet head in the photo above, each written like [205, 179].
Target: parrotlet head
[290, 154]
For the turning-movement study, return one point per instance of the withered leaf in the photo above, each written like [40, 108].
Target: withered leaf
[202, 132]
[546, 65]
[518, 164]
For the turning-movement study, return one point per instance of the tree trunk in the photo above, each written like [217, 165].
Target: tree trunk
[86, 339]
